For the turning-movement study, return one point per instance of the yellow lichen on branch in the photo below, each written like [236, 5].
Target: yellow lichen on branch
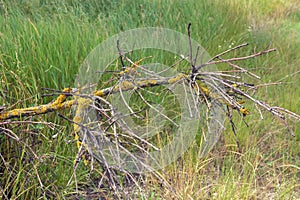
[36, 110]
[59, 104]
[82, 105]
[244, 111]
[61, 98]
[131, 85]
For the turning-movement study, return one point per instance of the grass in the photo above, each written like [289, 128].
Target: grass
[44, 44]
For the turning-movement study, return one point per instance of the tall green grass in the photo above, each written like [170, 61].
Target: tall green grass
[43, 43]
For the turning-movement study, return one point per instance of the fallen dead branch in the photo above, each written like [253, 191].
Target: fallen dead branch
[221, 88]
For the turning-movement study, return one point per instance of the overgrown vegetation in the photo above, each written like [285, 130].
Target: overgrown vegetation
[44, 43]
